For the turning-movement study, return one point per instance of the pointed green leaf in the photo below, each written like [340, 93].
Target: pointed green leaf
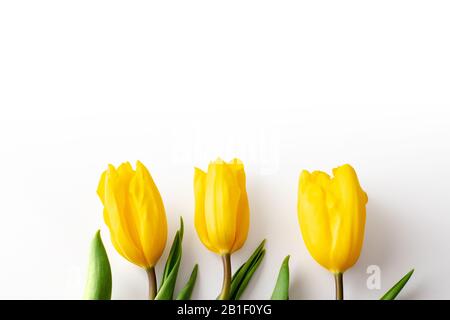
[281, 291]
[186, 292]
[395, 290]
[99, 279]
[237, 273]
[249, 275]
[240, 278]
[240, 273]
[172, 266]
[174, 251]
[181, 228]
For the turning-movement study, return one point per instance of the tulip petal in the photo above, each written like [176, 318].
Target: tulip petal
[221, 205]
[149, 214]
[243, 214]
[199, 219]
[101, 187]
[350, 216]
[118, 224]
[313, 216]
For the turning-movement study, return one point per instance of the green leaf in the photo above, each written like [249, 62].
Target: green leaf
[172, 266]
[237, 273]
[99, 279]
[186, 292]
[243, 275]
[175, 250]
[240, 273]
[248, 275]
[281, 291]
[395, 290]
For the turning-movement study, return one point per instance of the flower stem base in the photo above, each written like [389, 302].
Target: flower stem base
[151, 283]
[225, 294]
[339, 282]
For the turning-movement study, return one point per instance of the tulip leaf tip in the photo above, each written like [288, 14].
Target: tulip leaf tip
[186, 292]
[181, 227]
[395, 290]
[99, 277]
[281, 290]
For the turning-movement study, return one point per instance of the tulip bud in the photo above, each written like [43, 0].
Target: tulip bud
[221, 206]
[332, 215]
[134, 213]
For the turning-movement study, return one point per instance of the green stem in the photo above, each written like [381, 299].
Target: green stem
[225, 294]
[339, 282]
[151, 283]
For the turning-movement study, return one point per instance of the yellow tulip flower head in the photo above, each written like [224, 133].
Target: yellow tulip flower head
[134, 213]
[332, 215]
[221, 206]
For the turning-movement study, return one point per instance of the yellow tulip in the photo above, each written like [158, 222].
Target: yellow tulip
[221, 209]
[134, 213]
[332, 215]
[221, 206]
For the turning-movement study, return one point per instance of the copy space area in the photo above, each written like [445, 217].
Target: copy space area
[284, 86]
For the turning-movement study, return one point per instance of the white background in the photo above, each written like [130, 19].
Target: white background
[284, 85]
